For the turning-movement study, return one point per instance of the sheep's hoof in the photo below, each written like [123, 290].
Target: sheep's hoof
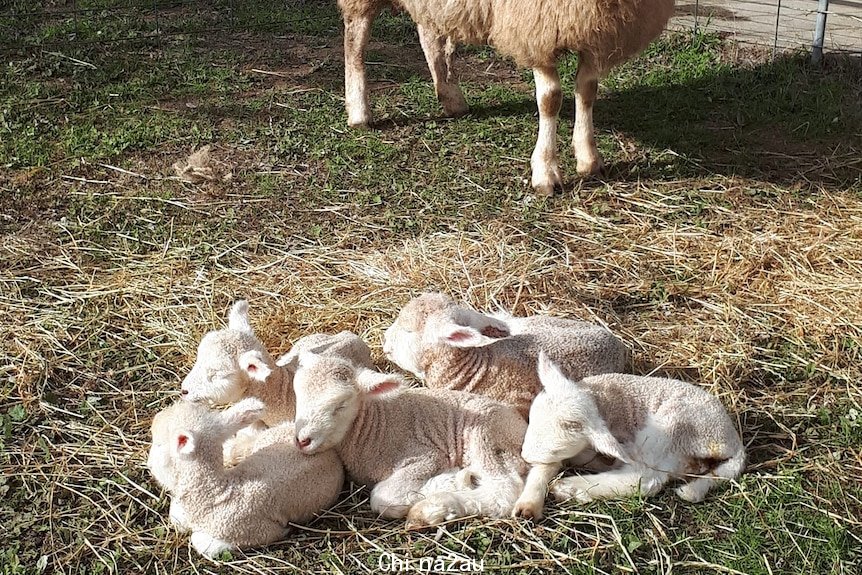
[455, 108]
[358, 124]
[528, 510]
[547, 185]
[591, 167]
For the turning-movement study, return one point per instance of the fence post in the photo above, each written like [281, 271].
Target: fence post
[775, 39]
[819, 32]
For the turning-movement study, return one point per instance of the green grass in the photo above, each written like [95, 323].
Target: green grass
[723, 245]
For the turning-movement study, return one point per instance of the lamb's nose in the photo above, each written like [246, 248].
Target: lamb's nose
[303, 443]
[185, 392]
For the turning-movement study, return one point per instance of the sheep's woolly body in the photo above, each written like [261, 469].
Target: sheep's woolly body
[418, 448]
[247, 505]
[535, 33]
[505, 369]
[659, 428]
[442, 429]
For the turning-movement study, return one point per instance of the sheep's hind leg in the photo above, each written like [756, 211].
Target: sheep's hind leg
[615, 484]
[544, 162]
[438, 53]
[393, 497]
[583, 136]
[357, 32]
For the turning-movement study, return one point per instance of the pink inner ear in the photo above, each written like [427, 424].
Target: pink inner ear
[459, 335]
[252, 367]
[182, 440]
[384, 387]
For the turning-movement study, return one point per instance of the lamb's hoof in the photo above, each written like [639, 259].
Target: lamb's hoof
[591, 167]
[433, 510]
[209, 546]
[528, 510]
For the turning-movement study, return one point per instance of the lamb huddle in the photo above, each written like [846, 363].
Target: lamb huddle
[459, 447]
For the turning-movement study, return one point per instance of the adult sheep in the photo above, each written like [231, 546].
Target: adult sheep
[534, 33]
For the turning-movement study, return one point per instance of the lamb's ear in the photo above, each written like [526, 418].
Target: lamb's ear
[447, 331]
[185, 443]
[604, 442]
[552, 378]
[491, 326]
[238, 317]
[253, 363]
[243, 412]
[290, 360]
[376, 383]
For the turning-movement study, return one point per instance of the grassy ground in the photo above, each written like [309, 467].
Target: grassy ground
[725, 245]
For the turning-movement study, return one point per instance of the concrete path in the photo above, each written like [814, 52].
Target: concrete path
[754, 21]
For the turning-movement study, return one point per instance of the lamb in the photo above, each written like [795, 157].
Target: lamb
[657, 428]
[232, 363]
[245, 506]
[532, 33]
[420, 449]
[453, 347]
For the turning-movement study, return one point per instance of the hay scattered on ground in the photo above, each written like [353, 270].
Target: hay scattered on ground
[758, 301]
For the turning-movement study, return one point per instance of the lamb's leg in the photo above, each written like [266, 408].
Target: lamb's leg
[623, 482]
[393, 497]
[438, 53]
[532, 499]
[207, 545]
[177, 515]
[357, 32]
[544, 163]
[583, 136]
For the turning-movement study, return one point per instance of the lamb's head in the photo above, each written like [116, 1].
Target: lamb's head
[564, 420]
[329, 391]
[228, 360]
[187, 431]
[433, 319]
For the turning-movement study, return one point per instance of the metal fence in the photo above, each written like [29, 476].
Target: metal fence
[819, 25]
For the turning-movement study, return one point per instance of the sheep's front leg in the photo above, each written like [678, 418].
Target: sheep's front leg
[532, 500]
[544, 163]
[357, 32]
[438, 53]
[583, 136]
[614, 484]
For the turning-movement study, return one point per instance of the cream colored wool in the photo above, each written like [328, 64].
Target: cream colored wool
[453, 347]
[416, 447]
[657, 428]
[232, 363]
[250, 504]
